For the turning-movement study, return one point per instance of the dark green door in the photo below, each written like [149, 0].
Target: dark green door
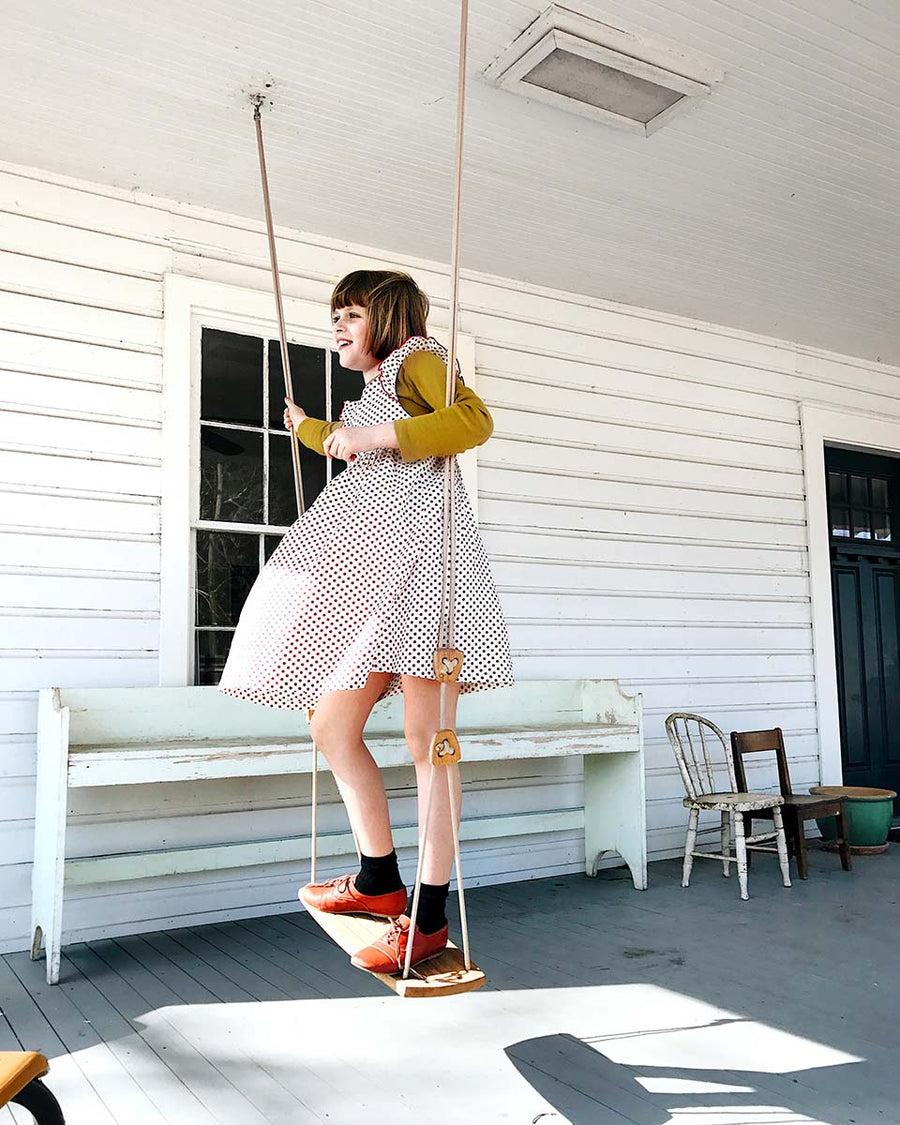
[864, 508]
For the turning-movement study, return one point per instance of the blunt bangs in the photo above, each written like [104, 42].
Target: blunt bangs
[396, 307]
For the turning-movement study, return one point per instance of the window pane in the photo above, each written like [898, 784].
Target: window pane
[859, 492]
[837, 488]
[840, 523]
[861, 527]
[231, 475]
[883, 528]
[345, 385]
[231, 378]
[211, 654]
[282, 499]
[307, 379]
[227, 565]
[271, 543]
[880, 493]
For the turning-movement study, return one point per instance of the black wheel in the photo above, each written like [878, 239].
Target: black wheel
[40, 1103]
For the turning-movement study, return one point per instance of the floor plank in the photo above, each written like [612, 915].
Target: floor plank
[604, 1005]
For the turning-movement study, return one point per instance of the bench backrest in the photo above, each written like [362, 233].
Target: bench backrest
[112, 716]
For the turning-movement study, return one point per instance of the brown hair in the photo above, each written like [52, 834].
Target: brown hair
[396, 307]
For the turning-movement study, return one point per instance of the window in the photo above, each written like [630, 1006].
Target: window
[859, 506]
[246, 486]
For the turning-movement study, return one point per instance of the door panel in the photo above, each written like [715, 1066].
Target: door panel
[864, 505]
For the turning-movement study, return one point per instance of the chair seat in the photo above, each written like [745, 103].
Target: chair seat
[811, 805]
[734, 802]
[810, 801]
[17, 1068]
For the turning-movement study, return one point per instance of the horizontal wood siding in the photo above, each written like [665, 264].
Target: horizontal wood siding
[642, 501]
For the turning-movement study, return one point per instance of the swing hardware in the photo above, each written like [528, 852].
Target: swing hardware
[447, 664]
[445, 748]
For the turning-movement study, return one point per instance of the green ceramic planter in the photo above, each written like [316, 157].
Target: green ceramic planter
[868, 813]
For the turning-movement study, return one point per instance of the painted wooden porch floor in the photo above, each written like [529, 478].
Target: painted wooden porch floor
[604, 1005]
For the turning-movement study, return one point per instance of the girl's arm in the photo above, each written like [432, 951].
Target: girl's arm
[436, 430]
[432, 430]
[312, 432]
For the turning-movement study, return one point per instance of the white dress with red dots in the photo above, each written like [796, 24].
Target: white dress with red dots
[355, 585]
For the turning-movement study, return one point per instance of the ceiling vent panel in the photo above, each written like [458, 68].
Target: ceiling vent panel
[589, 68]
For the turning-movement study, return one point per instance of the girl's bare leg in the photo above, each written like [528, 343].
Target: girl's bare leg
[421, 699]
[337, 727]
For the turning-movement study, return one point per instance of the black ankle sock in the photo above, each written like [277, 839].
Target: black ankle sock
[378, 875]
[432, 913]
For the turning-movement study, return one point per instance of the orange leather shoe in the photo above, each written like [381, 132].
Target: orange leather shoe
[387, 954]
[340, 896]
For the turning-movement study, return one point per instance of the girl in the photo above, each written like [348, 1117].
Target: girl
[347, 610]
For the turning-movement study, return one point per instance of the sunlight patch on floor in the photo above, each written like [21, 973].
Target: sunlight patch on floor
[493, 1056]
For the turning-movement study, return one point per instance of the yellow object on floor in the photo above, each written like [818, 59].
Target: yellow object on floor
[17, 1069]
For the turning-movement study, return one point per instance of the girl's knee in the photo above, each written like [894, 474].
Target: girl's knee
[418, 739]
[318, 729]
[331, 736]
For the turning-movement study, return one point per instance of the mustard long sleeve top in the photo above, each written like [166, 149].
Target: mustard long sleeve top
[433, 429]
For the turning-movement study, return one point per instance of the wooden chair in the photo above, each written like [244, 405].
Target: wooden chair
[692, 738]
[20, 1082]
[797, 807]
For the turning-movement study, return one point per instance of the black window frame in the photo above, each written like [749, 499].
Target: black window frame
[337, 386]
[869, 465]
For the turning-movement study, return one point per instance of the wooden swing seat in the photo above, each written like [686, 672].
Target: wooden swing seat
[443, 975]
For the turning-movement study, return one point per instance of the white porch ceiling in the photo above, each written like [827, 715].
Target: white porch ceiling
[772, 207]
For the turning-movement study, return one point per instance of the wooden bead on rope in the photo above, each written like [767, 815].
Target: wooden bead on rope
[448, 664]
[445, 748]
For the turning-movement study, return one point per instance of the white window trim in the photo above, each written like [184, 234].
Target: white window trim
[190, 304]
[868, 433]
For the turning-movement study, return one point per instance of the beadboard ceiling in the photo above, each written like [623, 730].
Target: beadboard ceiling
[772, 207]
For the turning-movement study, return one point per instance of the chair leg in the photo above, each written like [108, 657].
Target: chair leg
[843, 845]
[799, 835]
[689, 846]
[740, 847]
[726, 843]
[781, 844]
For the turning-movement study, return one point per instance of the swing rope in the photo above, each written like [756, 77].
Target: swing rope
[258, 102]
[447, 660]
[448, 759]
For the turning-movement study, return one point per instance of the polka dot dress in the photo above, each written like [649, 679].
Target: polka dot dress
[355, 585]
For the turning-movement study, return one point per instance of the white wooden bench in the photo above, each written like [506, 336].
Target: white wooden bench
[136, 736]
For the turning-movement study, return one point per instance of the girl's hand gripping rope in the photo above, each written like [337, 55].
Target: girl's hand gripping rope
[293, 415]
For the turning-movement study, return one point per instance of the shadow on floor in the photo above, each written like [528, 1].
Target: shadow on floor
[586, 1087]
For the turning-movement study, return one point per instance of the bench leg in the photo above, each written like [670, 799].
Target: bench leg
[48, 872]
[615, 812]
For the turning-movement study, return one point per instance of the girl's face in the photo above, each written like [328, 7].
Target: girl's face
[351, 333]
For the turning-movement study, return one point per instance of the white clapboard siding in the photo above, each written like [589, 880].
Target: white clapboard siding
[87, 432]
[642, 501]
[624, 466]
[38, 277]
[69, 395]
[76, 359]
[49, 469]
